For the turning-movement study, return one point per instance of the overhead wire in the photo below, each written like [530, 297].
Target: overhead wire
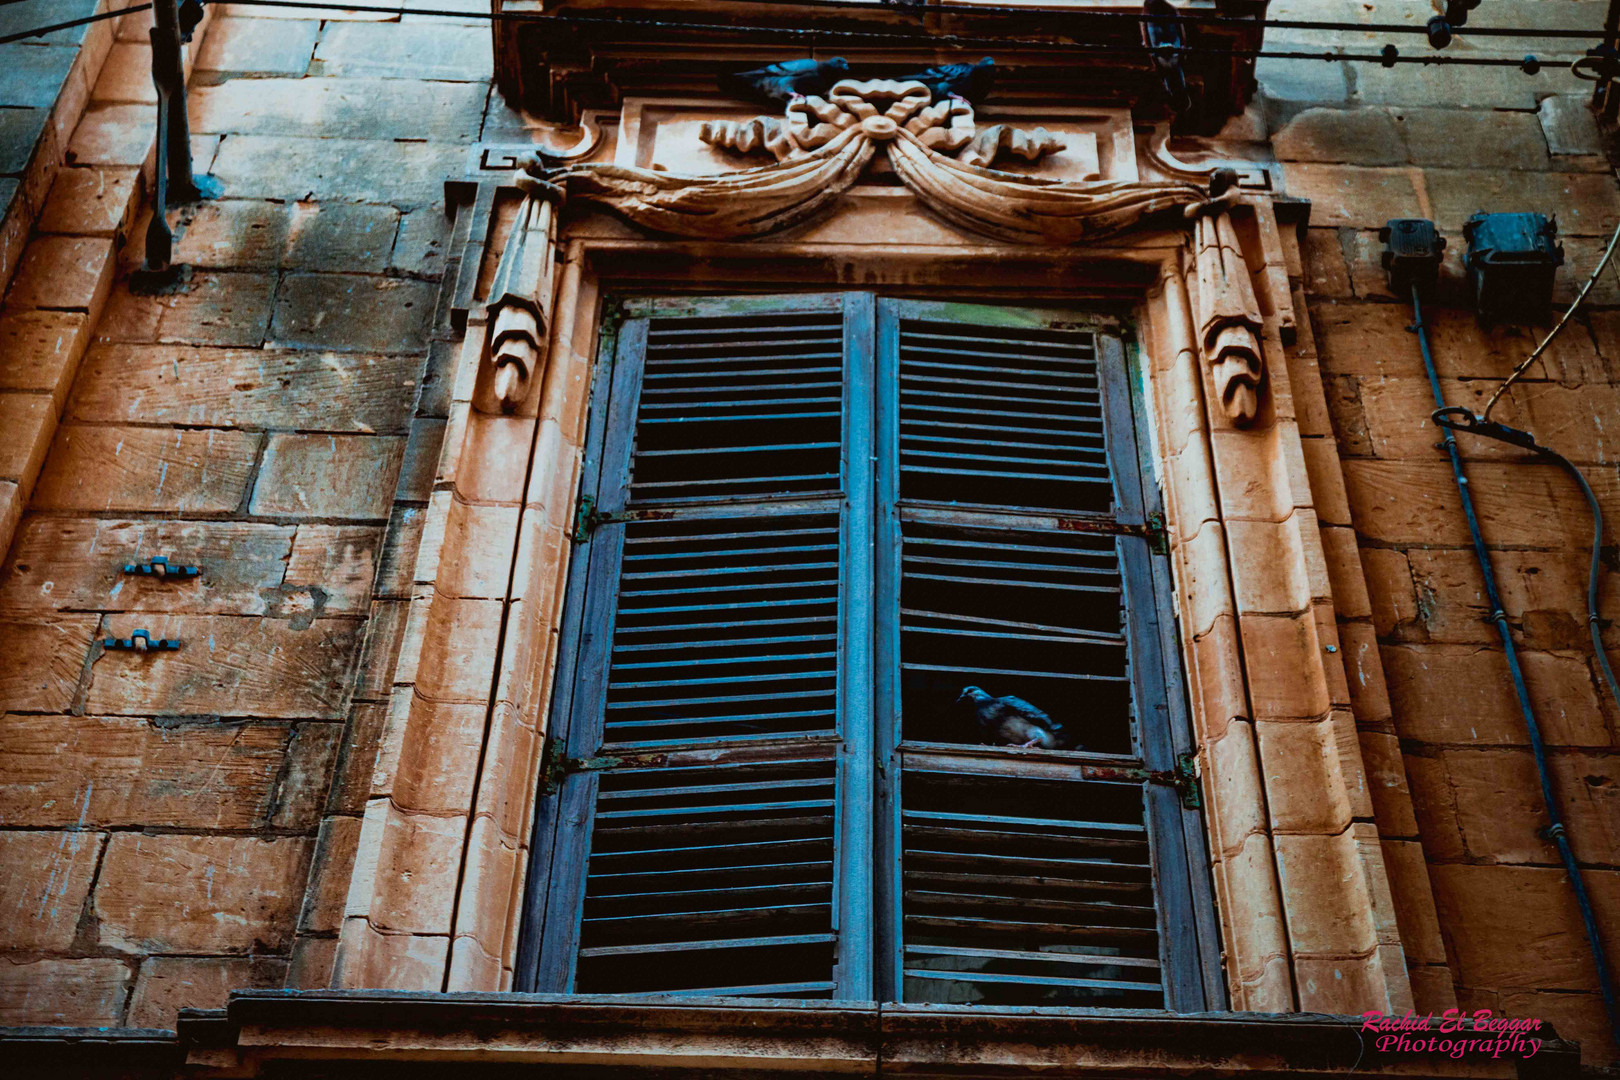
[1387, 58]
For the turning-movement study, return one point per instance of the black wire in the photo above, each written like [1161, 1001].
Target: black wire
[929, 39]
[813, 34]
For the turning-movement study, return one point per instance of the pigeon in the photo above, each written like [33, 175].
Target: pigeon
[1012, 721]
[968, 81]
[1161, 33]
[787, 80]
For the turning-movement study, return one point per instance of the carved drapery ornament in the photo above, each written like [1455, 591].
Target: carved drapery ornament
[821, 146]
[1229, 321]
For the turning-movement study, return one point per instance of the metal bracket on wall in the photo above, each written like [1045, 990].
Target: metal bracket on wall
[141, 641]
[160, 567]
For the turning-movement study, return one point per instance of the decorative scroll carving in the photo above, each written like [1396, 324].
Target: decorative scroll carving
[1229, 322]
[832, 140]
[992, 142]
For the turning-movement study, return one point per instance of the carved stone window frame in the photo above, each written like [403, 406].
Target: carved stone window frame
[1301, 886]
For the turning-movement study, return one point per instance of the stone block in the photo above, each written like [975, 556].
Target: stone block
[432, 50]
[312, 963]
[1500, 811]
[211, 309]
[1387, 784]
[1304, 788]
[328, 476]
[352, 785]
[301, 235]
[1341, 985]
[1268, 566]
[368, 314]
[416, 474]
[419, 247]
[1462, 694]
[167, 984]
[334, 566]
[22, 133]
[75, 993]
[305, 389]
[113, 134]
[384, 632]
[1542, 593]
[61, 563]
[47, 881]
[417, 872]
[29, 421]
[123, 772]
[382, 109]
[200, 894]
[127, 75]
[1353, 136]
[1354, 194]
[1326, 274]
[438, 765]
[367, 957]
[401, 545]
[65, 273]
[92, 202]
[1281, 655]
[259, 46]
[40, 350]
[1569, 126]
[1325, 894]
[1480, 907]
[1472, 138]
[329, 884]
[460, 666]
[494, 459]
[146, 469]
[305, 776]
[478, 548]
[1587, 204]
[331, 169]
[228, 666]
[56, 647]
[1350, 599]
[1302, 81]
[1414, 503]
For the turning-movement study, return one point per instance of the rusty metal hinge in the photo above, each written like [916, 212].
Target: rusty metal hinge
[1184, 778]
[1158, 536]
[558, 765]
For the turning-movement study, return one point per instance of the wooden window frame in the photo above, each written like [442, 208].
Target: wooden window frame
[867, 914]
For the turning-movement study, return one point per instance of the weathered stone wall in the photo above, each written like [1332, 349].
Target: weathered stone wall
[276, 422]
[1367, 144]
[173, 826]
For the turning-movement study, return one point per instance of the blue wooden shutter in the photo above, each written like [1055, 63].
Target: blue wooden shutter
[1016, 558]
[711, 713]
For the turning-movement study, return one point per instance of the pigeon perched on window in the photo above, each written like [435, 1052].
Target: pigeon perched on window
[782, 82]
[969, 81]
[1012, 721]
[1162, 34]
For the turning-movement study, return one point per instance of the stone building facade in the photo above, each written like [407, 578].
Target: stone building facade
[317, 814]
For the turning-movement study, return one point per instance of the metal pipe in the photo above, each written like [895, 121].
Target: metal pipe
[1555, 830]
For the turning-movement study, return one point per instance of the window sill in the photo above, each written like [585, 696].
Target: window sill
[259, 1030]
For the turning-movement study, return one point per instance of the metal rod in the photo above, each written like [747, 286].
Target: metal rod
[1555, 830]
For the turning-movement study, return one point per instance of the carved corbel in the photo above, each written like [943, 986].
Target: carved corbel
[1229, 321]
[519, 308]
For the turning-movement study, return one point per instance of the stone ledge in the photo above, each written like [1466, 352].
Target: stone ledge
[260, 1032]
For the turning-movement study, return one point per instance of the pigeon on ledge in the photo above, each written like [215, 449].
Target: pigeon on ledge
[1012, 721]
[968, 81]
[781, 82]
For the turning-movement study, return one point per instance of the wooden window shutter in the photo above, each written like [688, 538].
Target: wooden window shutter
[1017, 558]
[807, 524]
[696, 837]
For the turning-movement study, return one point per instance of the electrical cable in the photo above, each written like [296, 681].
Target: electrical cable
[1388, 58]
[1458, 418]
[1524, 365]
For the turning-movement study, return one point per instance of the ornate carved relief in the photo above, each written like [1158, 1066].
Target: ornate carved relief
[822, 145]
